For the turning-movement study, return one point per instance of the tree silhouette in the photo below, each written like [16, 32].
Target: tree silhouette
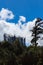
[36, 31]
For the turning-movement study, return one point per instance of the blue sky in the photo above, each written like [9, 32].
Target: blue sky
[29, 8]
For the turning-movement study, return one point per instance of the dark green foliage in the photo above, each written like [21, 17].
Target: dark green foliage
[10, 54]
[17, 54]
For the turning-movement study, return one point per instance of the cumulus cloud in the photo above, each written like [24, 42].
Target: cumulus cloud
[6, 14]
[21, 19]
[18, 29]
[22, 30]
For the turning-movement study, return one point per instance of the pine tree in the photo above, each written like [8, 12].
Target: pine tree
[36, 31]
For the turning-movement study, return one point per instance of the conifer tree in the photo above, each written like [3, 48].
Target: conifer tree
[36, 31]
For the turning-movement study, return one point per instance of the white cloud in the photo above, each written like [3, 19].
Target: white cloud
[18, 29]
[21, 19]
[6, 14]
[22, 30]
